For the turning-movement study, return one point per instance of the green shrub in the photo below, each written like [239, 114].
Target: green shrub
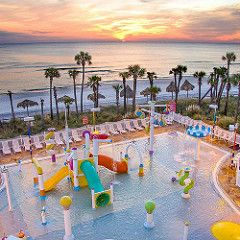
[224, 122]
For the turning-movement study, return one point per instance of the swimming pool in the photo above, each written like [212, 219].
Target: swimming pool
[124, 220]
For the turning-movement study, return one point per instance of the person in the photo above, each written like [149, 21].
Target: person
[19, 165]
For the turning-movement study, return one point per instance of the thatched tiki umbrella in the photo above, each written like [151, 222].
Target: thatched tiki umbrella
[91, 97]
[146, 92]
[171, 88]
[67, 101]
[129, 93]
[26, 104]
[187, 86]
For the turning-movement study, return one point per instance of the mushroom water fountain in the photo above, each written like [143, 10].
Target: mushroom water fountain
[198, 132]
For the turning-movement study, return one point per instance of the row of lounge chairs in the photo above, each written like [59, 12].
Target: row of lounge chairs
[219, 133]
[38, 141]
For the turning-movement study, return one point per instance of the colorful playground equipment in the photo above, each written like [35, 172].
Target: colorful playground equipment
[130, 165]
[50, 143]
[187, 182]
[66, 203]
[150, 207]
[198, 132]
[84, 172]
[226, 230]
[140, 113]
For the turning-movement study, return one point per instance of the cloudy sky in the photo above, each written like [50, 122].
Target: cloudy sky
[126, 20]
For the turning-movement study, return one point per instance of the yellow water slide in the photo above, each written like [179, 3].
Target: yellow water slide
[56, 178]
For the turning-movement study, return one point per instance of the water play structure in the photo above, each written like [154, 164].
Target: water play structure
[198, 132]
[84, 172]
[140, 112]
[225, 230]
[186, 182]
[50, 143]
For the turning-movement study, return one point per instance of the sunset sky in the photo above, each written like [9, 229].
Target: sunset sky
[130, 20]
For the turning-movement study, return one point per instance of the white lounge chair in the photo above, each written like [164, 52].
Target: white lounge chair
[75, 136]
[136, 125]
[37, 143]
[128, 126]
[144, 122]
[16, 146]
[120, 128]
[111, 129]
[26, 143]
[5, 148]
[58, 138]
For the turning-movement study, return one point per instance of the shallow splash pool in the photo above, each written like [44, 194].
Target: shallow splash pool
[124, 220]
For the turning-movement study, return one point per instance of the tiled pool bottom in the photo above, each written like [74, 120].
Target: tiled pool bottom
[124, 220]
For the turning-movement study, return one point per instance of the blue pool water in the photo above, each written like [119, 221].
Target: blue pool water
[124, 220]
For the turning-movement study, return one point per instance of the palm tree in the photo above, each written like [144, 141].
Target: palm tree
[223, 76]
[26, 104]
[145, 92]
[212, 89]
[136, 72]
[73, 74]
[124, 76]
[151, 76]
[154, 90]
[56, 102]
[9, 93]
[178, 71]
[51, 73]
[229, 57]
[235, 79]
[199, 76]
[94, 83]
[67, 101]
[82, 59]
[117, 89]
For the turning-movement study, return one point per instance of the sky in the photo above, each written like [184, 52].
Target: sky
[119, 20]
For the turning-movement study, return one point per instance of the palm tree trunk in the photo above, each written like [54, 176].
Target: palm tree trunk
[172, 95]
[42, 113]
[68, 111]
[75, 94]
[97, 89]
[124, 96]
[209, 90]
[82, 86]
[187, 93]
[27, 112]
[220, 93]
[11, 103]
[228, 86]
[199, 91]
[117, 100]
[56, 102]
[228, 89]
[51, 107]
[238, 104]
[134, 94]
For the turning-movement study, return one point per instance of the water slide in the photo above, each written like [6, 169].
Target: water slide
[109, 163]
[92, 177]
[94, 182]
[56, 178]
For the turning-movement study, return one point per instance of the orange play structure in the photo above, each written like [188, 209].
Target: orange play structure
[109, 163]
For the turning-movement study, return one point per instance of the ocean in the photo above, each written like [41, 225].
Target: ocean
[22, 66]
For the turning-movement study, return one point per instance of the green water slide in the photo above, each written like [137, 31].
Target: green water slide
[94, 182]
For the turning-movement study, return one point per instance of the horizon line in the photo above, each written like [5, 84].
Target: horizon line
[119, 41]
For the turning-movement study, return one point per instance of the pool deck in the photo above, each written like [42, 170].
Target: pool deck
[165, 227]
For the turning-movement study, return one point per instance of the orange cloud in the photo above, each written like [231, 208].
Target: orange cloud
[199, 20]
